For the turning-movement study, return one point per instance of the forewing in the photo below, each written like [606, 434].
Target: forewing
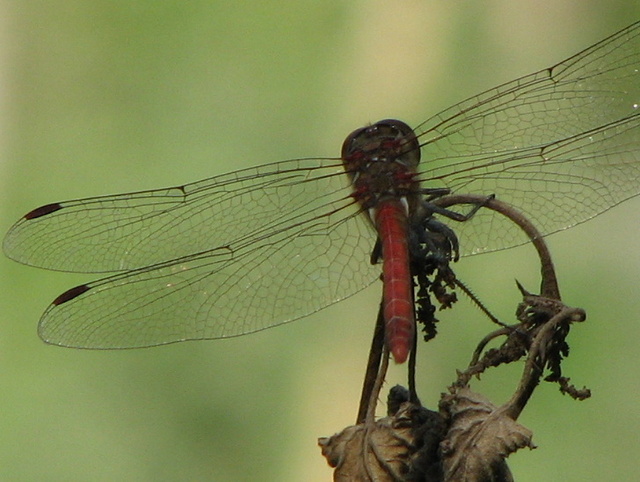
[562, 145]
[134, 230]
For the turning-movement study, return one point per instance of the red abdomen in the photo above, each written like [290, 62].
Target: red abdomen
[392, 225]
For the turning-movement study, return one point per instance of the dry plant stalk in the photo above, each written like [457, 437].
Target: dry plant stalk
[468, 438]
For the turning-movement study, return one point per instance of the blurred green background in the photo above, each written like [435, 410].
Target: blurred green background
[108, 96]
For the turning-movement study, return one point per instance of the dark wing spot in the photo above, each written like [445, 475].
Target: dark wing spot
[43, 210]
[71, 294]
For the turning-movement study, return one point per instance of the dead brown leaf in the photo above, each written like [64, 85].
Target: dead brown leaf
[480, 438]
[402, 447]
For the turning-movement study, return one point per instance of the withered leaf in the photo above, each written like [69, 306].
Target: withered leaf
[398, 448]
[480, 438]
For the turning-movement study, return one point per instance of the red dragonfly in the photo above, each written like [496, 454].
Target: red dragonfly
[255, 248]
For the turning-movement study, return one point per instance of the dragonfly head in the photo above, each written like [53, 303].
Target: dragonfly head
[388, 140]
[381, 160]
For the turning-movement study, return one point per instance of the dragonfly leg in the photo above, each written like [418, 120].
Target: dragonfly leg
[454, 215]
[376, 252]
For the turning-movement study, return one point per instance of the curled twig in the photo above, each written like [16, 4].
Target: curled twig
[549, 285]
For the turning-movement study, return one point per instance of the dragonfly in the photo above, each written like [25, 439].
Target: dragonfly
[241, 252]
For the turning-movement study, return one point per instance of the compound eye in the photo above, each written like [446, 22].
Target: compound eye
[395, 124]
[383, 132]
[351, 143]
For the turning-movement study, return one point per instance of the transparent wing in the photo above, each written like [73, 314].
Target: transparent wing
[562, 145]
[244, 251]
[223, 257]
[134, 230]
